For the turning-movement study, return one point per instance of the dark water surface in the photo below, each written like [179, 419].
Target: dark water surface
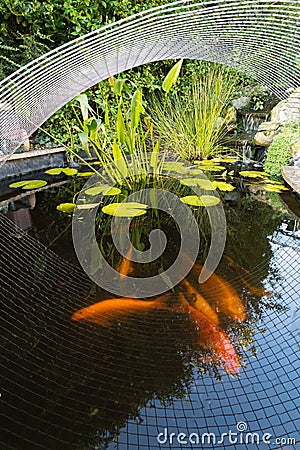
[138, 384]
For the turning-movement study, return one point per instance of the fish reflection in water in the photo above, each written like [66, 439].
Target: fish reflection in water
[109, 312]
[220, 294]
[201, 303]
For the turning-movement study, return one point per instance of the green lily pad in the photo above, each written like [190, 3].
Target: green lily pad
[225, 159]
[253, 174]
[103, 189]
[204, 184]
[173, 166]
[55, 171]
[111, 191]
[85, 174]
[204, 200]
[274, 188]
[66, 207]
[28, 184]
[58, 170]
[128, 209]
[223, 186]
[212, 168]
[70, 172]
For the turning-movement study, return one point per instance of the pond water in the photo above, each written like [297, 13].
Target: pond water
[143, 381]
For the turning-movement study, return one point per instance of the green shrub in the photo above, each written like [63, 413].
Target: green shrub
[279, 152]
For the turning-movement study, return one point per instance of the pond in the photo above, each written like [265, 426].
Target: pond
[160, 377]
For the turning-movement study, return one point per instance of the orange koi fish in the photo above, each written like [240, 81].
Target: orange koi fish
[221, 295]
[107, 312]
[213, 339]
[199, 302]
[259, 291]
[125, 267]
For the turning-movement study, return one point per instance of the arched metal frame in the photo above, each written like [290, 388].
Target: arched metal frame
[259, 37]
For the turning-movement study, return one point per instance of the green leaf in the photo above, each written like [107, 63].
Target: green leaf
[66, 207]
[55, 171]
[84, 105]
[253, 174]
[119, 160]
[172, 76]
[154, 156]
[204, 184]
[128, 209]
[204, 200]
[136, 108]
[223, 186]
[84, 140]
[120, 126]
[28, 184]
[173, 166]
[85, 174]
[69, 172]
[111, 191]
[212, 168]
[58, 170]
[274, 188]
[118, 86]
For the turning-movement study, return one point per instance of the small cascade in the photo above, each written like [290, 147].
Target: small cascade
[251, 122]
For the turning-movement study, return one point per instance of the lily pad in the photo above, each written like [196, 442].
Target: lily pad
[204, 200]
[85, 174]
[228, 159]
[103, 189]
[204, 184]
[28, 184]
[173, 166]
[66, 207]
[127, 209]
[212, 168]
[111, 191]
[223, 186]
[70, 172]
[274, 188]
[58, 170]
[253, 174]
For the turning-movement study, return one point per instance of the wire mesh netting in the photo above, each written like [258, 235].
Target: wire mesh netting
[260, 38]
[71, 386]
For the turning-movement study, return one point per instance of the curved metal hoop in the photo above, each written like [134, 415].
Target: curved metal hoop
[259, 37]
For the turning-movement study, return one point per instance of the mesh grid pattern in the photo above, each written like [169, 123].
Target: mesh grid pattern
[260, 38]
[54, 373]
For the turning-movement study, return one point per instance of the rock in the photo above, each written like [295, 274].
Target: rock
[231, 116]
[266, 133]
[241, 103]
[287, 110]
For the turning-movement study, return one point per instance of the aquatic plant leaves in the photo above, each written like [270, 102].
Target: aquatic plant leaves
[172, 76]
[274, 188]
[128, 209]
[111, 191]
[58, 170]
[209, 168]
[253, 174]
[224, 159]
[103, 189]
[204, 200]
[173, 166]
[66, 207]
[28, 184]
[85, 174]
[204, 184]
[222, 186]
